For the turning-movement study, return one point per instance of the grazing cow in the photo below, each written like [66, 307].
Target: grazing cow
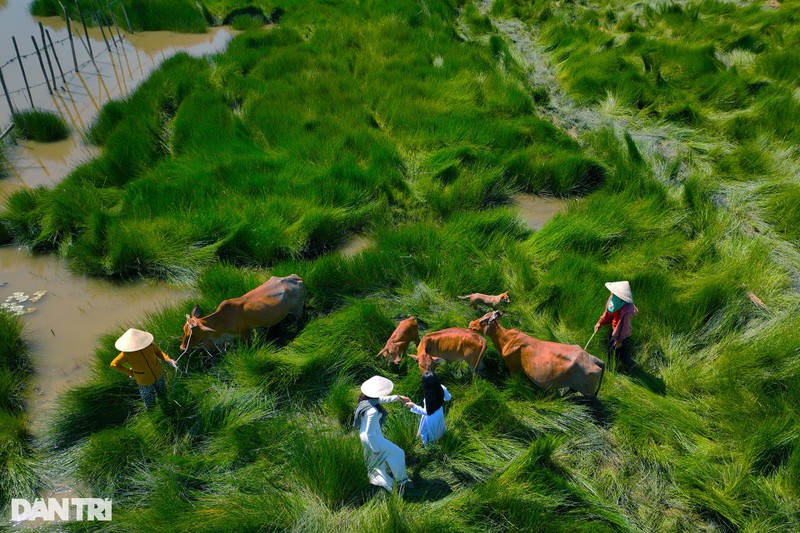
[264, 306]
[494, 302]
[407, 330]
[548, 364]
[451, 344]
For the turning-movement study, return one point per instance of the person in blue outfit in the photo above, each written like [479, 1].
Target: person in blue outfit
[431, 424]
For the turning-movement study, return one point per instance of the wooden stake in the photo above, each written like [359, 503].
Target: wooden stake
[5, 91]
[47, 55]
[69, 32]
[41, 64]
[102, 31]
[85, 31]
[22, 68]
[105, 23]
[127, 20]
[58, 63]
[114, 20]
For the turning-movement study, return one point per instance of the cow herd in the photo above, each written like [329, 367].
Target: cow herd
[547, 364]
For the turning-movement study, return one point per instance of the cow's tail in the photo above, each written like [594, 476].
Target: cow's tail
[602, 366]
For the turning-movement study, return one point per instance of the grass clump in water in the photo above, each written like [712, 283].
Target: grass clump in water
[41, 126]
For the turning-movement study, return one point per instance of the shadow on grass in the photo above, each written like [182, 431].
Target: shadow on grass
[428, 490]
[601, 411]
[642, 377]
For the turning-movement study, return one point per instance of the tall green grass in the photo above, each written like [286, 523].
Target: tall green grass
[376, 118]
[18, 457]
[144, 15]
[690, 63]
[3, 160]
[41, 126]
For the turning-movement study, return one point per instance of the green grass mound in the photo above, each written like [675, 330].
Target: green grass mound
[18, 458]
[41, 126]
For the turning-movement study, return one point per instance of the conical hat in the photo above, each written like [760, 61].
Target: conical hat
[133, 340]
[622, 289]
[377, 386]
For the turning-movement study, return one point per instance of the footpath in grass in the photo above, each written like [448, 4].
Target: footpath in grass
[379, 118]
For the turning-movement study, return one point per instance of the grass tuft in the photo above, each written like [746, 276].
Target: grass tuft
[41, 126]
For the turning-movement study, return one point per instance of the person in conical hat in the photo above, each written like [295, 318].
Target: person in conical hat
[143, 358]
[386, 461]
[619, 312]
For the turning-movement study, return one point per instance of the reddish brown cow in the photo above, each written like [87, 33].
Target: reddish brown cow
[548, 364]
[407, 330]
[451, 344]
[476, 298]
[264, 306]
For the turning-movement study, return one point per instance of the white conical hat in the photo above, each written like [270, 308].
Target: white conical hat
[133, 340]
[622, 289]
[377, 386]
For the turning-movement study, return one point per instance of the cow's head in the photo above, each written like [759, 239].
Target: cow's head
[504, 298]
[427, 362]
[486, 323]
[194, 331]
[392, 356]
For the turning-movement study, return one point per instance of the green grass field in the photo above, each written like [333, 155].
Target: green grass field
[415, 124]
[19, 461]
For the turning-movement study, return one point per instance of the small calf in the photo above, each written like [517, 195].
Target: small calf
[494, 302]
[405, 332]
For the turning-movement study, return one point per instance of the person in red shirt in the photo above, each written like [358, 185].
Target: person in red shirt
[619, 312]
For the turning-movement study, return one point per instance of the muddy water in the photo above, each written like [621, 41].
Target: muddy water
[535, 211]
[79, 96]
[62, 327]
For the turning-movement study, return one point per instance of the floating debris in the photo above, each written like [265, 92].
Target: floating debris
[13, 303]
[13, 308]
[37, 296]
[20, 297]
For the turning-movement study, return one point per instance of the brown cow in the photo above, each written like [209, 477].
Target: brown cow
[264, 306]
[548, 364]
[407, 330]
[451, 344]
[494, 302]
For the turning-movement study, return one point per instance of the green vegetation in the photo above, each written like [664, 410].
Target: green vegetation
[3, 160]
[378, 118]
[41, 126]
[184, 16]
[18, 460]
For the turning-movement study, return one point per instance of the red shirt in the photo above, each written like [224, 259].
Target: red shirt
[620, 321]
